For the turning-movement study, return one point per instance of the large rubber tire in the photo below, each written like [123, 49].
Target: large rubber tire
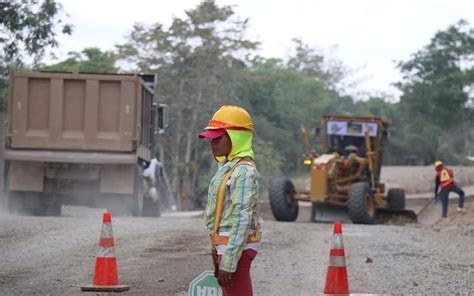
[361, 204]
[282, 200]
[396, 199]
[151, 208]
[16, 202]
[144, 206]
[25, 203]
[313, 212]
[137, 199]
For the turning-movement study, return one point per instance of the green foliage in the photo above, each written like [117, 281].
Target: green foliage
[310, 62]
[26, 27]
[269, 161]
[89, 60]
[29, 25]
[194, 59]
[281, 99]
[436, 89]
[203, 61]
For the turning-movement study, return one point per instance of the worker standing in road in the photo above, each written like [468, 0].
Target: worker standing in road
[445, 184]
[231, 213]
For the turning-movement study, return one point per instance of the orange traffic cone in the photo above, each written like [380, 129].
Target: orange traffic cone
[336, 278]
[105, 275]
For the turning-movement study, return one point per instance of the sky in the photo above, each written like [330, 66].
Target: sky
[368, 36]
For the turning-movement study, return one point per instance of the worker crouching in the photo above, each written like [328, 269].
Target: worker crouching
[231, 213]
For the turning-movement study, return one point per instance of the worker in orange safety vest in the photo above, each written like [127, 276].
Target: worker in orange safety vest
[444, 184]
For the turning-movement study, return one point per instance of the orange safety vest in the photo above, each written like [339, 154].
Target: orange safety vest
[217, 239]
[446, 178]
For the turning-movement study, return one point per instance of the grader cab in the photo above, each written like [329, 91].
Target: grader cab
[344, 180]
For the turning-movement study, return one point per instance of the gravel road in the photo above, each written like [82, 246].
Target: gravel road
[56, 255]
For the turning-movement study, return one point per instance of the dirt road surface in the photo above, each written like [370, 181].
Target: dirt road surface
[56, 255]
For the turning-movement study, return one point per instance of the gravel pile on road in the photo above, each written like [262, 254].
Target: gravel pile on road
[460, 223]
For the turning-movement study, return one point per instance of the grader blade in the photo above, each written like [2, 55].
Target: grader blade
[323, 212]
[389, 216]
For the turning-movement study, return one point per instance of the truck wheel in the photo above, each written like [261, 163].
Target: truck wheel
[282, 200]
[52, 204]
[15, 202]
[151, 208]
[25, 203]
[22, 202]
[137, 199]
[396, 199]
[361, 204]
[138, 202]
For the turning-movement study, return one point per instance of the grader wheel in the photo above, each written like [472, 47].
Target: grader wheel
[361, 204]
[396, 199]
[282, 200]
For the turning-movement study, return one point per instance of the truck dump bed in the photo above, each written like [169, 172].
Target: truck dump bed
[80, 112]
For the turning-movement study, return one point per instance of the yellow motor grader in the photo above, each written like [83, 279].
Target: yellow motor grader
[345, 179]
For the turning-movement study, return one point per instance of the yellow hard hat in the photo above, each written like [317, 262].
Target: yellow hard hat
[437, 163]
[231, 117]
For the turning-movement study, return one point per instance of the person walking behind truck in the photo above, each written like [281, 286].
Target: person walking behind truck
[445, 184]
[231, 211]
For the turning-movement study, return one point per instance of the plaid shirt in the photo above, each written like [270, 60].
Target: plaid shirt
[239, 212]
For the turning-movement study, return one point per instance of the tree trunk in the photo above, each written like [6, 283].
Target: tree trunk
[190, 169]
[175, 175]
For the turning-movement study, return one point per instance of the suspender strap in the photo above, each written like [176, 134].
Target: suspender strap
[221, 194]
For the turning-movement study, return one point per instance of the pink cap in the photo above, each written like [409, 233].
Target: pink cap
[212, 133]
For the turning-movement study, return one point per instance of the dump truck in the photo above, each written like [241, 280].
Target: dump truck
[80, 139]
[345, 179]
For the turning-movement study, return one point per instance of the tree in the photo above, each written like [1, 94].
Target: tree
[194, 59]
[280, 100]
[282, 95]
[29, 25]
[89, 60]
[437, 89]
[26, 26]
[311, 62]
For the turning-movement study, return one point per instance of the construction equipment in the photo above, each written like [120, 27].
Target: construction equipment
[345, 180]
[81, 139]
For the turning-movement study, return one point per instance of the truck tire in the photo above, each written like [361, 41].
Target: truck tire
[282, 200]
[25, 203]
[15, 202]
[22, 202]
[396, 199]
[151, 208]
[143, 206]
[52, 204]
[361, 204]
[137, 199]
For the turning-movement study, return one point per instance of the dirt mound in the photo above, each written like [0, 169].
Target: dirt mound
[461, 223]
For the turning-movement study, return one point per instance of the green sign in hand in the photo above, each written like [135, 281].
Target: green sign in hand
[205, 284]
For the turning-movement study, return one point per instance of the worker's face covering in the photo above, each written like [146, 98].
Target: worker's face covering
[241, 145]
